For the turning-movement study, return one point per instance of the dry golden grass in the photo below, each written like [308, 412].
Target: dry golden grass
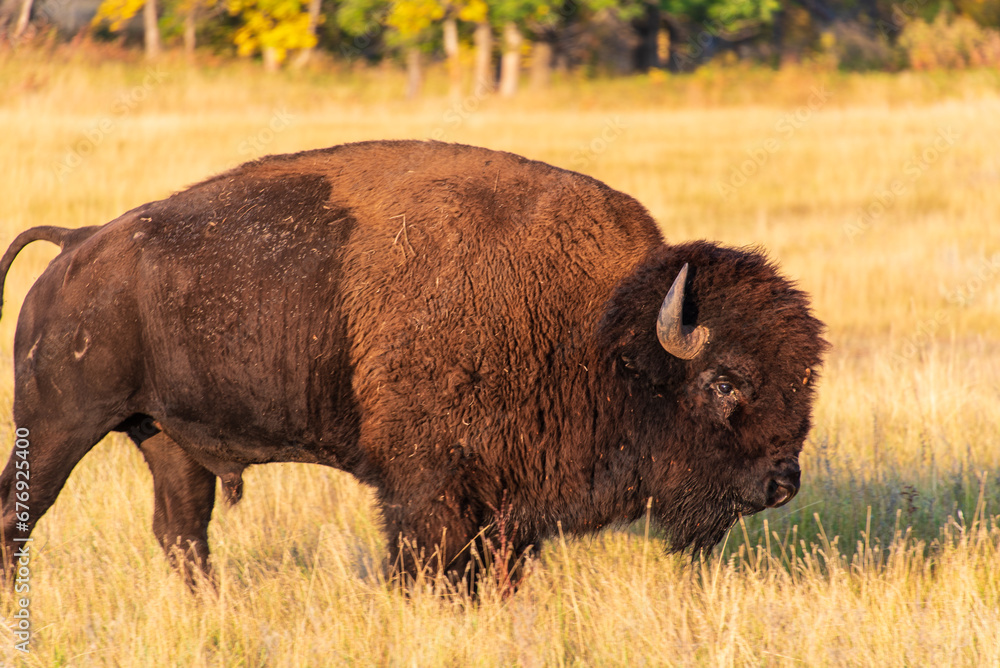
[889, 556]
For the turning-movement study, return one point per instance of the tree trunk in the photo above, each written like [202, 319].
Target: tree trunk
[647, 54]
[510, 64]
[151, 29]
[302, 59]
[270, 56]
[677, 61]
[8, 10]
[451, 53]
[541, 64]
[483, 76]
[22, 19]
[778, 38]
[414, 75]
[189, 30]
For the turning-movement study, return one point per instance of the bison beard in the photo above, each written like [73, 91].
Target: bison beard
[499, 347]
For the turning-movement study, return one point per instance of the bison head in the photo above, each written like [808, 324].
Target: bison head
[720, 389]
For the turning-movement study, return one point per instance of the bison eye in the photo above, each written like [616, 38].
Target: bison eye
[724, 388]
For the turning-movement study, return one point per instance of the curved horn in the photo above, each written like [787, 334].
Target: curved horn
[678, 340]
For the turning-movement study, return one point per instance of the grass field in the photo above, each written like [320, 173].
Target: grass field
[880, 195]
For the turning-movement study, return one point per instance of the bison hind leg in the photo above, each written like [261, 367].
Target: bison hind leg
[141, 427]
[184, 496]
[45, 452]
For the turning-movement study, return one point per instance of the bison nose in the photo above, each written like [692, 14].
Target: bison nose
[782, 487]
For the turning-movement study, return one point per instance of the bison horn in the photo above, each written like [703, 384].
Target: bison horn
[678, 340]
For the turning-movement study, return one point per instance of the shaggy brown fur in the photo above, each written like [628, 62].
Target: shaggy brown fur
[470, 332]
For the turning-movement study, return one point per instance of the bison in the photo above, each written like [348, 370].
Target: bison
[502, 349]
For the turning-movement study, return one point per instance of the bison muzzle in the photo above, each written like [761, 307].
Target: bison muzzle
[499, 347]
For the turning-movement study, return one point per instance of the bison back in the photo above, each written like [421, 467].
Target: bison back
[409, 297]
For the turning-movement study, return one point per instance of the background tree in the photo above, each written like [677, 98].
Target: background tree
[473, 11]
[412, 22]
[698, 29]
[272, 28]
[984, 12]
[544, 26]
[451, 45]
[591, 34]
[186, 15]
[8, 16]
[14, 18]
[116, 13]
[315, 19]
[513, 16]
[363, 27]
[510, 61]
[189, 8]
[482, 73]
[151, 29]
[647, 27]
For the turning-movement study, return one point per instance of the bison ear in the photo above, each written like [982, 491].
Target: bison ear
[678, 340]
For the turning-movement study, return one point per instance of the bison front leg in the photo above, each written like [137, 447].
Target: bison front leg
[436, 538]
[184, 495]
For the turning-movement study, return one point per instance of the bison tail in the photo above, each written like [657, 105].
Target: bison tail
[60, 236]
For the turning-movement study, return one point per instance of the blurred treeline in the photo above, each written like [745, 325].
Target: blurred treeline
[498, 41]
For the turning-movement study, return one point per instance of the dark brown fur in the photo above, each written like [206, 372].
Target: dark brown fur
[470, 332]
